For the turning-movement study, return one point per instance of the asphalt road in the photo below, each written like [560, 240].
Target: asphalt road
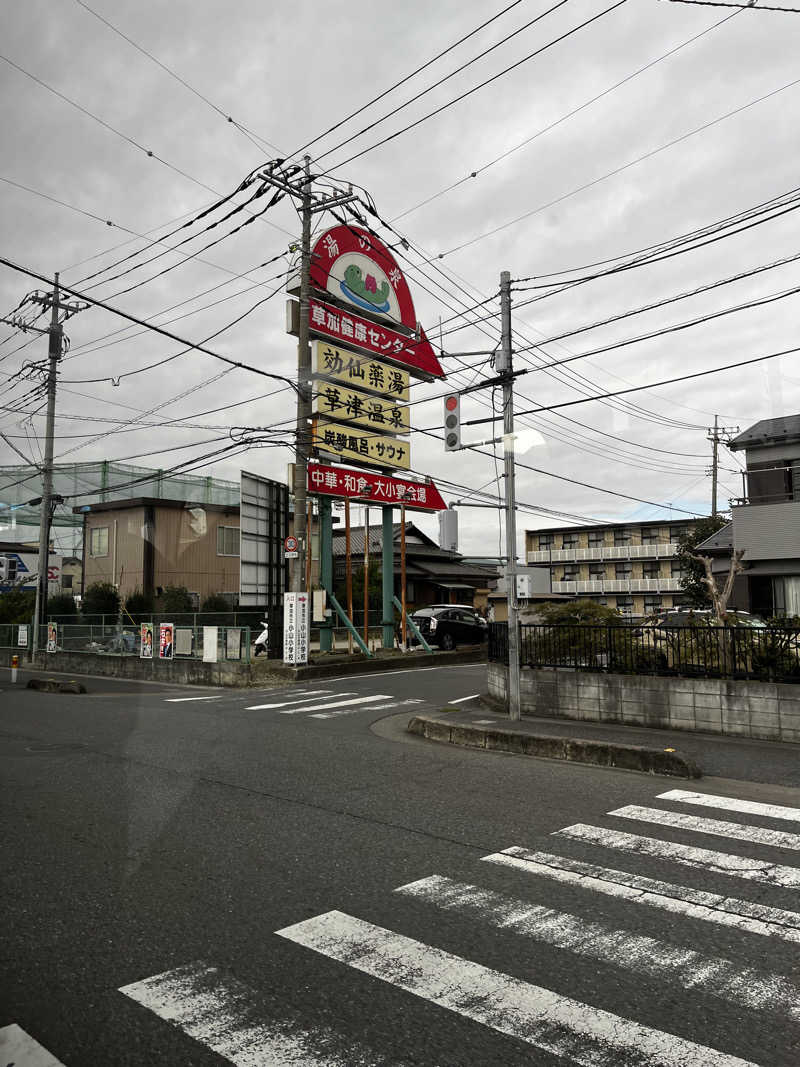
[285, 877]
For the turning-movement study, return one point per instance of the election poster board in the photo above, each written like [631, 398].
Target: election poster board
[166, 645]
[52, 637]
[146, 640]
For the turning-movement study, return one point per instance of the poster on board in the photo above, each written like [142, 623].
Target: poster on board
[166, 649]
[52, 637]
[146, 640]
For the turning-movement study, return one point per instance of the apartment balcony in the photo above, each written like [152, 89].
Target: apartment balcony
[669, 584]
[602, 552]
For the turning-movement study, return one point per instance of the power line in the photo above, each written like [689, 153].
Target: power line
[620, 169]
[563, 118]
[482, 85]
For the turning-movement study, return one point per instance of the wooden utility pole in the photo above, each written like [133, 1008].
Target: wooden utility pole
[505, 369]
[717, 434]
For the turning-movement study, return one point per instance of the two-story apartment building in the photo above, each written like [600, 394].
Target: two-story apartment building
[624, 565]
[765, 522]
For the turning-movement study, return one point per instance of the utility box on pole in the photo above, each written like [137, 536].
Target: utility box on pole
[448, 530]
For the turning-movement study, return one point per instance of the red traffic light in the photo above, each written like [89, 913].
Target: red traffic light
[451, 403]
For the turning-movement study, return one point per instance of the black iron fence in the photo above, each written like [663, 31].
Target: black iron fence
[771, 653]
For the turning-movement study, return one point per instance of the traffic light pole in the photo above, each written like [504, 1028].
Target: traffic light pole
[506, 370]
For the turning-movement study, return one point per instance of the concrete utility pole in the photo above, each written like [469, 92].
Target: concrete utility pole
[310, 204]
[716, 434]
[56, 341]
[506, 371]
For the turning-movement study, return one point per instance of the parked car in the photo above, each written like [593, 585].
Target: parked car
[689, 639]
[449, 625]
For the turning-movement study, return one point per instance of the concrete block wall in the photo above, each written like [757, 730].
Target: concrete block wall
[767, 711]
[178, 671]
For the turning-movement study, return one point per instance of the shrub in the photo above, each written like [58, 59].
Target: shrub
[176, 600]
[60, 605]
[139, 604]
[17, 605]
[102, 598]
[216, 602]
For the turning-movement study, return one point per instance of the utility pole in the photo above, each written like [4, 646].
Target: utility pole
[310, 204]
[716, 434]
[56, 340]
[506, 371]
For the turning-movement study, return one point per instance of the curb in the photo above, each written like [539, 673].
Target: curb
[374, 666]
[570, 749]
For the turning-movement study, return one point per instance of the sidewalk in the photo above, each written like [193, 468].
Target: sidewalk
[726, 757]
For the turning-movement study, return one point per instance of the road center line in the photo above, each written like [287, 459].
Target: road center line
[747, 807]
[714, 975]
[677, 820]
[702, 858]
[580, 1033]
[678, 899]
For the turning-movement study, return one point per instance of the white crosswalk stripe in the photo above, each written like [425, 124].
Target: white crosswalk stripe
[679, 899]
[295, 699]
[755, 835]
[336, 704]
[747, 807]
[645, 955]
[217, 1012]
[705, 859]
[546, 1020]
[18, 1049]
[372, 707]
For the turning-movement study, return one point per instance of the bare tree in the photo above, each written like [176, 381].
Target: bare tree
[720, 597]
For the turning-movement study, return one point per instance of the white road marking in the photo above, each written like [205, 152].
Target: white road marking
[707, 860]
[185, 700]
[579, 1032]
[462, 699]
[337, 704]
[350, 711]
[218, 1013]
[747, 807]
[756, 835]
[18, 1049]
[485, 722]
[678, 899]
[295, 700]
[714, 975]
[419, 670]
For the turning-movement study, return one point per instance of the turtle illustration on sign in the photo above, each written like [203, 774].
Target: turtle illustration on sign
[364, 291]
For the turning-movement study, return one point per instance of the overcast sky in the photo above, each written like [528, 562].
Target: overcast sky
[288, 72]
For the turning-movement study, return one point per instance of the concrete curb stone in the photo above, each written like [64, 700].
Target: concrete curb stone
[569, 749]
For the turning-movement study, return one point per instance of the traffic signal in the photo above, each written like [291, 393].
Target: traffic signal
[8, 569]
[452, 422]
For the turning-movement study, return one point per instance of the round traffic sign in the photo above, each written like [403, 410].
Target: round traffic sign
[290, 543]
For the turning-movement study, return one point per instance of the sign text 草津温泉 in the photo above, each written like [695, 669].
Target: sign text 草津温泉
[348, 405]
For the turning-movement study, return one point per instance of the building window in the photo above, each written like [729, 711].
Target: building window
[66, 581]
[227, 540]
[623, 570]
[625, 605]
[676, 569]
[651, 569]
[597, 571]
[676, 533]
[571, 573]
[596, 538]
[651, 604]
[622, 537]
[569, 540]
[546, 540]
[98, 541]
[650, 535]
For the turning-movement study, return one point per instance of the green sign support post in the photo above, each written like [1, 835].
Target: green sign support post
[387, 568]
[326, 568]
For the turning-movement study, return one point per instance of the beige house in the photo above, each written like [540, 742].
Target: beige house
[627, 566]
[147, 544]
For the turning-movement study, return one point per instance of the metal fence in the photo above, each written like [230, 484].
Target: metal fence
[233, 643]
[768, 654]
